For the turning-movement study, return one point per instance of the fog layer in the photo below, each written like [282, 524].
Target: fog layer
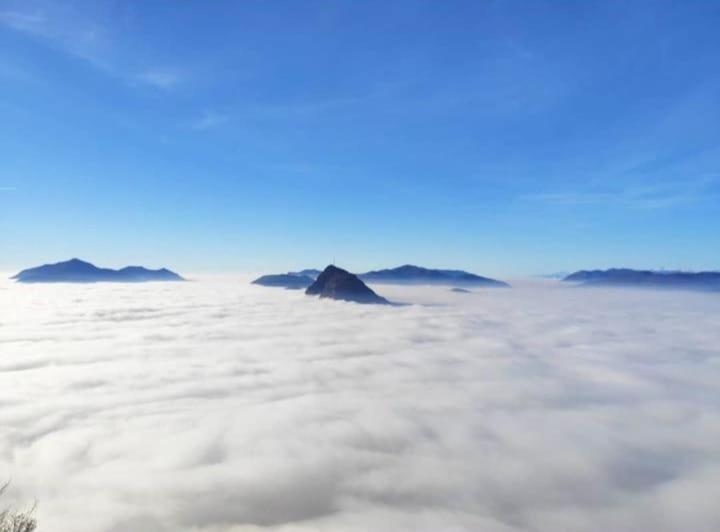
[216, 405]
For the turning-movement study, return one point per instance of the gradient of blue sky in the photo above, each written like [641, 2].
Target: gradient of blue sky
[503, 137]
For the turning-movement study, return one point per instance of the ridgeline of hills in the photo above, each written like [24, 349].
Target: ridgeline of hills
[461, 280]
[626, 277]
[79, 271]
[310, 272]
[406, 274]
[334, 282]
[409, 274]
[290, 281]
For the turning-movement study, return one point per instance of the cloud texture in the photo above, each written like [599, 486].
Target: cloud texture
[219, 406]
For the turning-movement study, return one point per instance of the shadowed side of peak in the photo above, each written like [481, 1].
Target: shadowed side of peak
[336, 283]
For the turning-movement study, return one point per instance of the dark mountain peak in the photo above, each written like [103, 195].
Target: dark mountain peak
[331, 269]
[72, 267]
[76, 261]
[73, 263]
[336, 283]
[410, 268]
[80, 271]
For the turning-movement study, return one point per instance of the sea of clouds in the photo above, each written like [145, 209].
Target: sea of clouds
[215, 405]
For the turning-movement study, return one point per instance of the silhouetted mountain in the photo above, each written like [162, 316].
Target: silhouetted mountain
[409, 274]
[336, 283]
[460, 290]
[141, 274]
[706, 281]
[292, 281]
[310, 272]
[78, 271]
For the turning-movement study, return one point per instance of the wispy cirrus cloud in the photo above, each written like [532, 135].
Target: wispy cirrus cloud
[660, 195]
[160, 78]
[87, 35]
[32, 22]
[64, 28]
[209, 120]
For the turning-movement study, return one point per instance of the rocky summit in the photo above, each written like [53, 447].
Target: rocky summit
[336, 283]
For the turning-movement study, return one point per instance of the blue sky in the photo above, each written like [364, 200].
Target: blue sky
[507, 138]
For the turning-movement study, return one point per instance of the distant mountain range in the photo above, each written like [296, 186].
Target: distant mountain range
[292, 280]
[336, 283]
[307, 273]
[407, 274]
[556, 275]
[79, 271]
[626, 277]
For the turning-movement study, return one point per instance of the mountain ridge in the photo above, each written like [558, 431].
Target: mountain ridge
[628, 277]
[79, 271]
[411, 274]
[290, 281]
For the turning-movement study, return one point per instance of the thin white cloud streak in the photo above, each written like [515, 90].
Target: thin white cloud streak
[81, 33]
[218, 406]
[65, 28]
[210, 120]
[659, 195]
[28, 22]
[160, 78]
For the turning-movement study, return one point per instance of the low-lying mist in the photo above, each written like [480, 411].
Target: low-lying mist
[216, 405]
